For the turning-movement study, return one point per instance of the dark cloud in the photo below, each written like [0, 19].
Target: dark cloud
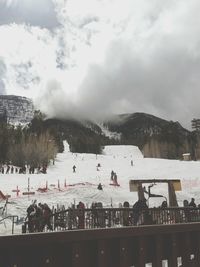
[36, 13]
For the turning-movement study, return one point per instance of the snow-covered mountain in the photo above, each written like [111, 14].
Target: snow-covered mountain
[16, 109]
[155, 137]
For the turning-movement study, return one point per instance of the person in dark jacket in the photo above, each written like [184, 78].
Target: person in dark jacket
[99, 187]
[137, 210]
[192, 203]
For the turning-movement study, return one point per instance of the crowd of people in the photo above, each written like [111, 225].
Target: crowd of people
[26, 169]
[38, 216]
[80, 216]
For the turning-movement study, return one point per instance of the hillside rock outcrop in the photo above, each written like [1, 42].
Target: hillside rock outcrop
[16, 109]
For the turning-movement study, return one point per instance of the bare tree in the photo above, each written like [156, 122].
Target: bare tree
[34, 150]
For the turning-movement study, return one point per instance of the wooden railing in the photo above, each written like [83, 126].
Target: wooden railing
[173, 244]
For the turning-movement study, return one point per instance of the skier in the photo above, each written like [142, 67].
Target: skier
[74, 168]
[112, 175]
[131, 162]
[115, 179]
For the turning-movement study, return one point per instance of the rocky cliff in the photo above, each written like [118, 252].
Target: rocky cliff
[16, 109]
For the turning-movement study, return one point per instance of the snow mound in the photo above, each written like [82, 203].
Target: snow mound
[123, 151]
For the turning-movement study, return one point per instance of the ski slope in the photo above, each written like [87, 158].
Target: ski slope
[66, 187]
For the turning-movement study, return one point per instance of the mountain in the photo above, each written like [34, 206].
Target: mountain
[154, 136]
[16, 109]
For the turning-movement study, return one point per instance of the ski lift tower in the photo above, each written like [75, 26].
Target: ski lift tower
[173, 186]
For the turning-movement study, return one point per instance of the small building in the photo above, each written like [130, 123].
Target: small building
[186, 157]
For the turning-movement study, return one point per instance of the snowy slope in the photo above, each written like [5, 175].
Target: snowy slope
[82, 185]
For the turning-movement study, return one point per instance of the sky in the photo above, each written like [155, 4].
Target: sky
[93, 58]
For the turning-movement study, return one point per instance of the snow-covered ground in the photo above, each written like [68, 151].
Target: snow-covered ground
[82, 185]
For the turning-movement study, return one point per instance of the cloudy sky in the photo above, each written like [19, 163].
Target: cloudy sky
[92, 58]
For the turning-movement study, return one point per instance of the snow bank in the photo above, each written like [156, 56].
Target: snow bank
[123, 151]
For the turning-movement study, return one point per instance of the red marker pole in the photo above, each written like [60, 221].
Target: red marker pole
[65, 185]
[46, 185]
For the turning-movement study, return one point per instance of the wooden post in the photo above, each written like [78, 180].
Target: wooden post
[159, 251]
[186, 262]
[140, 192]
[102, 254]
[142, 252]
[124, 253]
[172, 261]
[172, 195]
[77, 255]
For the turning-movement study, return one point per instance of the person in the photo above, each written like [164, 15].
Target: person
[8, 169]
[164, 204]
[46, 217]
[192, 203]
[100, 215]
[131, 162]
[31, 212]
[126, 214]
[12, 169]
[81, 215]
[74, 168]
[137, 210]
[39, 217]
[115, 179]
[99, 187]
[112, 175]
[186, 211]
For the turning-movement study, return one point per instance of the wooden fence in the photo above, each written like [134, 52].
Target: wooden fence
[155, 245]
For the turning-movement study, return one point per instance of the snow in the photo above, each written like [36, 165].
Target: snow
[82, 185]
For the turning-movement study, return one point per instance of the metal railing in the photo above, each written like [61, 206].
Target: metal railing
[13, 221]
[72, 219]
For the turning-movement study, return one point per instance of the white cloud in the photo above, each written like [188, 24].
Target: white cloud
[106, 56]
